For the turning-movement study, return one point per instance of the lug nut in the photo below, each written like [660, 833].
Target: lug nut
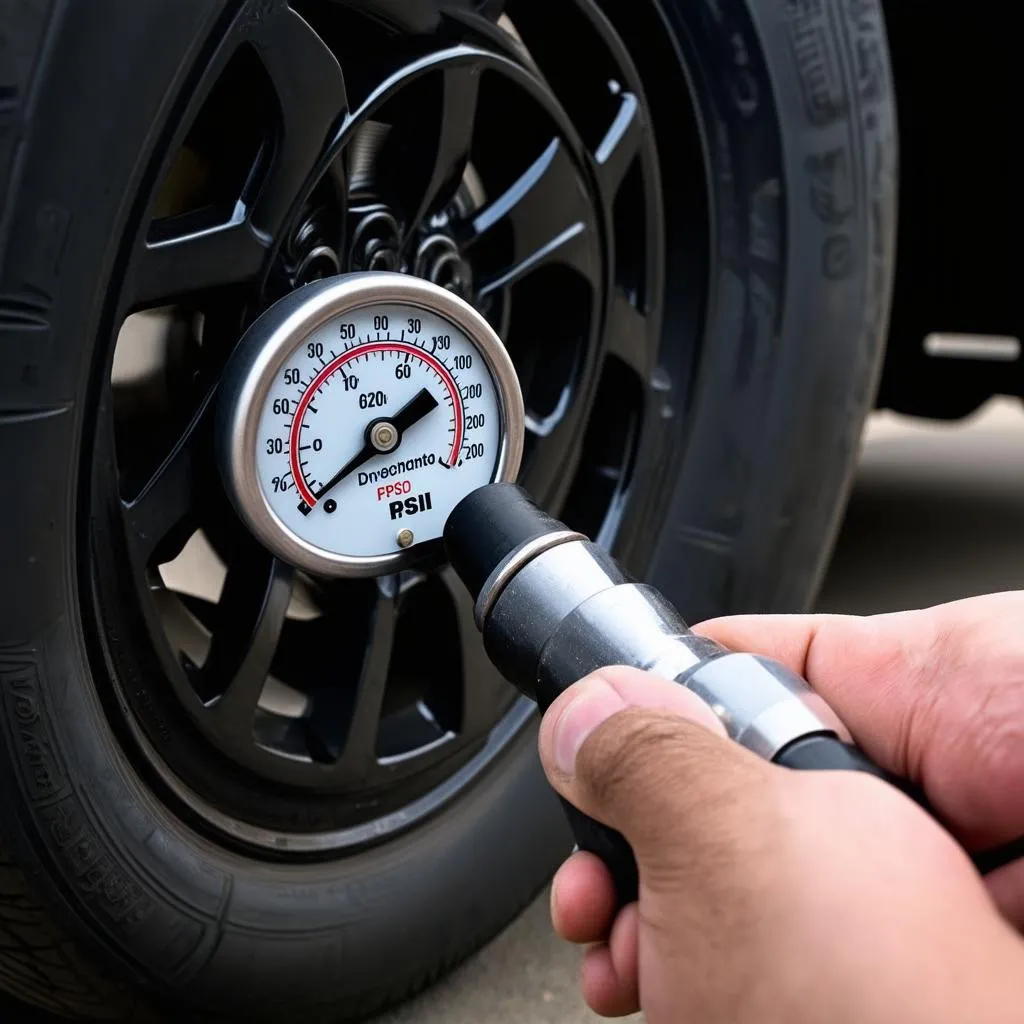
[375, 242]
[380, 257]
[319, 263]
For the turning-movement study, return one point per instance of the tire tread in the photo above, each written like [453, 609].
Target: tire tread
[41, 965]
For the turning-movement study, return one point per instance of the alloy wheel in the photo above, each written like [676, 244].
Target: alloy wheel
[290, 713]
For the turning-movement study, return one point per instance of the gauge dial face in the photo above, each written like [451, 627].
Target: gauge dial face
[380, 422]
[364, 431]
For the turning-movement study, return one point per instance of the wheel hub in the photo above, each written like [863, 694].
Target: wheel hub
[375, 240]
[310, 254]
[438, 260]
[377, 244]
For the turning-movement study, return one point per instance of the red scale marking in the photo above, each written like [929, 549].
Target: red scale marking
[336, 364]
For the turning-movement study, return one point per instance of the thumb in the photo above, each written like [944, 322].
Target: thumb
[649, 758]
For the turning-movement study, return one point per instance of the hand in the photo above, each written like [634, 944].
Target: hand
[771, 895]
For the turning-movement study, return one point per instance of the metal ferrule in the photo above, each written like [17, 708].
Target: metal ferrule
[568, 610]
[521, 610]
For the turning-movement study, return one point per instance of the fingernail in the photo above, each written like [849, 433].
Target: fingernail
[594, 702]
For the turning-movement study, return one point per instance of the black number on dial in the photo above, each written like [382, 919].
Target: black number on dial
[372, 400]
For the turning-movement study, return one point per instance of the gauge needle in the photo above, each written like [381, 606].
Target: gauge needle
[412, 412]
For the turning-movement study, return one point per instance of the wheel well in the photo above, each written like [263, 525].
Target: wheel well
[961, 222]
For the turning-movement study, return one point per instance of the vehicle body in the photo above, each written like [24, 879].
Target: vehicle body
[959, 259]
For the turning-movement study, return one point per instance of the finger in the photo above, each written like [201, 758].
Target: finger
[880, 671]
[600, 986]
[624, 946]
[610, 970]
[583, 901]
[867, 668]
[936, 696]
[644, 755]
[617, 688]
[1007, 888]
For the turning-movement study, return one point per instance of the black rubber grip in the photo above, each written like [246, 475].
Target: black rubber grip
[512, 517]
[610, 846]
[825, 752]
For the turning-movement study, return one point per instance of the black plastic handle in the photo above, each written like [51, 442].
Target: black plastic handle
[610, 846]
[824, 752]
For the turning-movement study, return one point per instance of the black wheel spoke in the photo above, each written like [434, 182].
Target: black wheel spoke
[250, 614]
[187, 254]
[475, 156]
[358, 759]
[412, 16]
[551, 220]
[454, 135]
[162, 515]
[187, 261]
[484, 691]
[311, 93]
[621, 143]
[548, 472]
[627, 331]
[491, 9]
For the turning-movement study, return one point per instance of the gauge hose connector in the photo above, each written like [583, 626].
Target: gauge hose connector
[553, 607]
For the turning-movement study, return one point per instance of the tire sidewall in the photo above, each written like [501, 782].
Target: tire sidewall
[800, 138]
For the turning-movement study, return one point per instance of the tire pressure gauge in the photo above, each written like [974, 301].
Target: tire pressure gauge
[356, 413]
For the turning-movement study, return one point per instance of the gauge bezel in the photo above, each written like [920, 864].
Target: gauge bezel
[263, 351]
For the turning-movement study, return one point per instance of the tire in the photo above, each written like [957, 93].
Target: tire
[114, 904]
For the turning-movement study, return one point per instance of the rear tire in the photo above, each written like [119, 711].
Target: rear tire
[113, 903]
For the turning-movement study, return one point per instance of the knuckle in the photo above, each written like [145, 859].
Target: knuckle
[993, 744]
[976, 730]
[964, 734]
